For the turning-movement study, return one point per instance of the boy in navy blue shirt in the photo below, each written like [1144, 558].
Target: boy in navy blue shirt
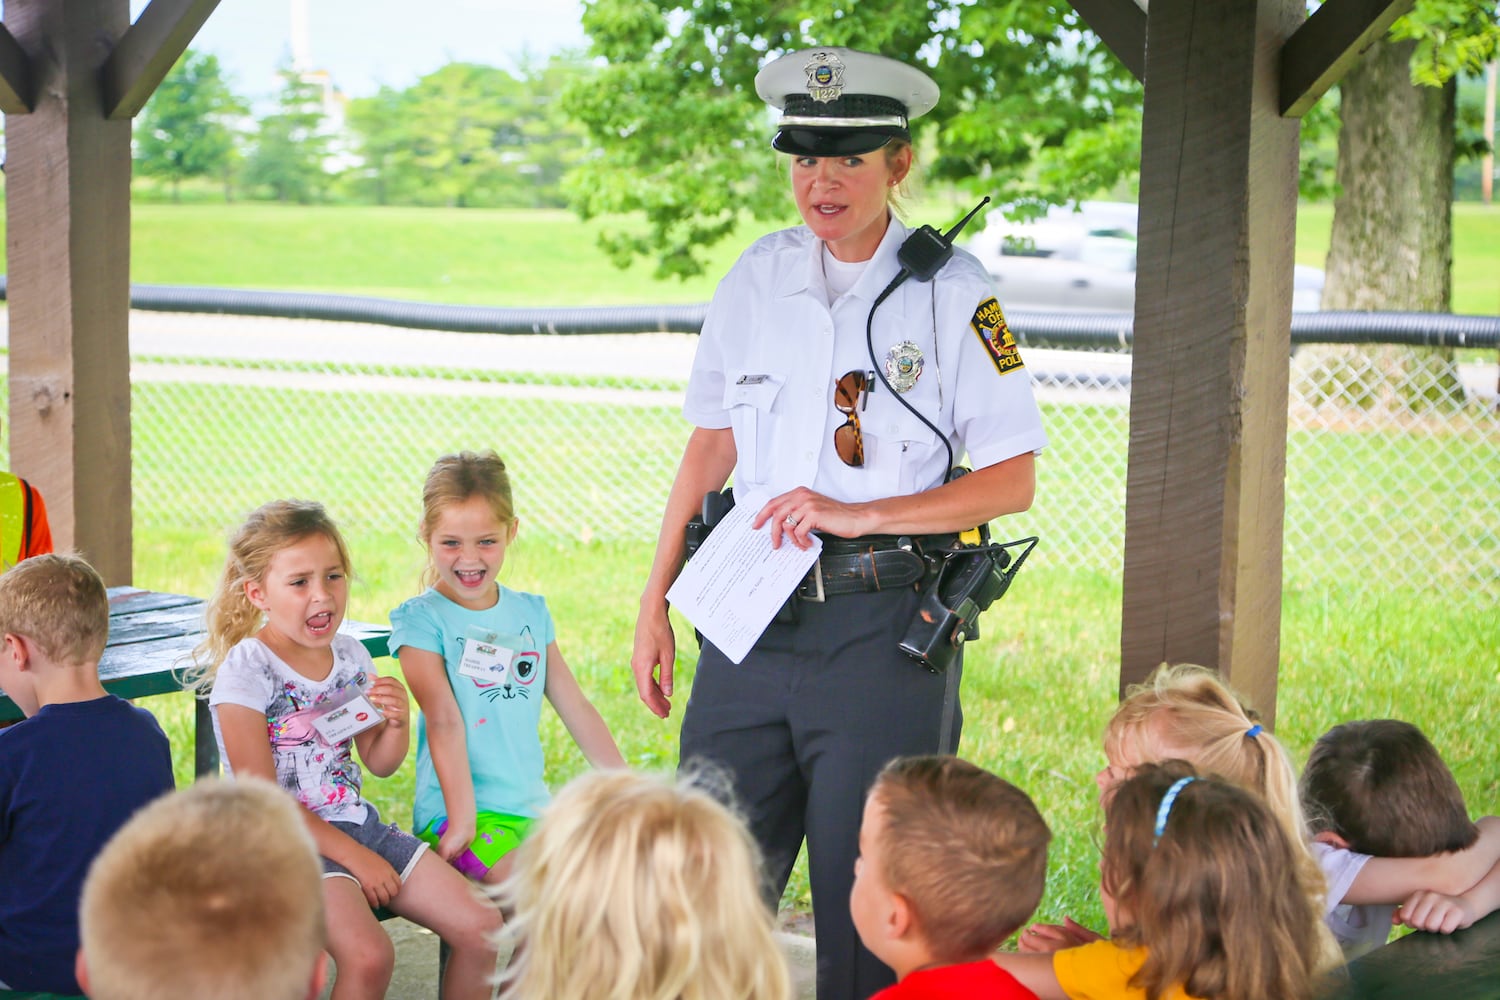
[71, 774]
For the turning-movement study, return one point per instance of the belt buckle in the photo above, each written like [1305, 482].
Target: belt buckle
[815, 575]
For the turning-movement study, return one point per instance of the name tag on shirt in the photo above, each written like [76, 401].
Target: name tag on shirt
[347, 716]
[488, 656]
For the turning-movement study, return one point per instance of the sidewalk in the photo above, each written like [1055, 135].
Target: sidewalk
[417, 949]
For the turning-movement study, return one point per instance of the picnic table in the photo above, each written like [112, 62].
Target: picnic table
[1464, 965]
[151, 637]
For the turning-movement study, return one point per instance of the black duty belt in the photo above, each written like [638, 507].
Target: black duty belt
[862, 565]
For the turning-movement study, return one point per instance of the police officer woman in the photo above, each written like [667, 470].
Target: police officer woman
[784, 394]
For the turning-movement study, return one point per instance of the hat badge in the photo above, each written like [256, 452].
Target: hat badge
[825, 77]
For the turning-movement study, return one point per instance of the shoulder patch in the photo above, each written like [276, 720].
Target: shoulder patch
[999, 342]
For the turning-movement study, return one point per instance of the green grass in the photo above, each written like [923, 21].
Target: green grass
[463, 257]
[548, 257]
[1039, 684]
[1476, 251]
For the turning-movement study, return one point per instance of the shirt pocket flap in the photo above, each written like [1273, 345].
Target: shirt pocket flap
[754, 389]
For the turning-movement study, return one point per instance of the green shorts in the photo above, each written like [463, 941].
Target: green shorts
[497, 834]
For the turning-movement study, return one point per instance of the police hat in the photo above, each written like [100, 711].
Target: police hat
[842, 102]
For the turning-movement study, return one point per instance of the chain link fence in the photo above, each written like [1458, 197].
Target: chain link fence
[1393, 455]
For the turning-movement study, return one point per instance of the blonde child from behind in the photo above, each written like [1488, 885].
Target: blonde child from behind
[952, 860]
[479, 656]
[214, 891]
[71, 773]
[277, 669]
[1187, 712]
[1200, 884]
[635, 887]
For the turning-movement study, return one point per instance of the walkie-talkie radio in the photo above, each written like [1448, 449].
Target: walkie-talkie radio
[966, 584]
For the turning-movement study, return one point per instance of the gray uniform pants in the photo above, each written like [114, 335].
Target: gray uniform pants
[803, 725]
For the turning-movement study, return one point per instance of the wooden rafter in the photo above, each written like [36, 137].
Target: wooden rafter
[1121, 25]
[1321, 51]
[148, 51]
[17, 90]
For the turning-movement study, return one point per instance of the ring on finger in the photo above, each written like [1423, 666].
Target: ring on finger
[791, 520]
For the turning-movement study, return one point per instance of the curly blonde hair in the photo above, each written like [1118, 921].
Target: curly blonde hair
[1186, 711]
[634, 887]
[230, 617]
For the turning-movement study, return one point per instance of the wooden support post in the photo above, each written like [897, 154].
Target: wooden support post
[68, 260]
[1205, 487]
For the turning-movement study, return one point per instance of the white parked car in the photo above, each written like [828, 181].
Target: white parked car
[1082, 260]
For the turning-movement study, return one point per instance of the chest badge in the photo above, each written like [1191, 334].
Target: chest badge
[903, 365]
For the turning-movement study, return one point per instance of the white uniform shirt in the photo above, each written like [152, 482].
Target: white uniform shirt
[772, 351]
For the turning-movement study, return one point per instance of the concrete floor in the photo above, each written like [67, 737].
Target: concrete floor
[417, 951]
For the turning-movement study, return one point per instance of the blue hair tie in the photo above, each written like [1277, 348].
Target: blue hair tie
[1253, 731]
[1165, 809]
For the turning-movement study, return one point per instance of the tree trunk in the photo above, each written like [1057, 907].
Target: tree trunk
[1391, 247]
[1392, 241]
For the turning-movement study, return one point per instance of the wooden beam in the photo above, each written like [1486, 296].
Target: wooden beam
[1204, 488]
[67, 241]
[1121, 25]
[1321, 51]
[17, 90]
[148, 51]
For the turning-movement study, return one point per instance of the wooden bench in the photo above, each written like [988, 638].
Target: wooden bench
[151, 637]
[1464, 965]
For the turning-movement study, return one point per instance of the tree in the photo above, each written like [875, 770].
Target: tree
[1391, 247]
[187, 128]
[550, 142]
[385, 127]
[1035, 109]
[470, 135]
[291, 147]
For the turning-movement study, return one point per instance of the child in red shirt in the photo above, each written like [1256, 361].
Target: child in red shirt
[952, 860]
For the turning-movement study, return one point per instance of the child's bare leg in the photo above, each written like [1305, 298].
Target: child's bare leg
[440, 899]
[500, 871]
[497, 874]
[363, 956]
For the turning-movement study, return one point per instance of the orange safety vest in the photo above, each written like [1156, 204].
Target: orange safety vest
[24, 531]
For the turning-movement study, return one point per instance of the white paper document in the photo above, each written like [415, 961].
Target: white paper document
[734, 584]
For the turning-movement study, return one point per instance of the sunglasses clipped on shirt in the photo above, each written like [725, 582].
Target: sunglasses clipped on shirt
[849, 395]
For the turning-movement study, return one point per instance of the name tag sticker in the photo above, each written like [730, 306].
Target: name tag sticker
[487, 657]
[347, 716]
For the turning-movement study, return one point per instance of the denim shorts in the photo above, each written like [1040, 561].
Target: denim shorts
[399, 848]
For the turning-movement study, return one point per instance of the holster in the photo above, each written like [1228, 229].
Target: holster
[969, 581]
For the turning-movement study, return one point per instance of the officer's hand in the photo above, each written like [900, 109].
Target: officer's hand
[655, 650]
[794, 515]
